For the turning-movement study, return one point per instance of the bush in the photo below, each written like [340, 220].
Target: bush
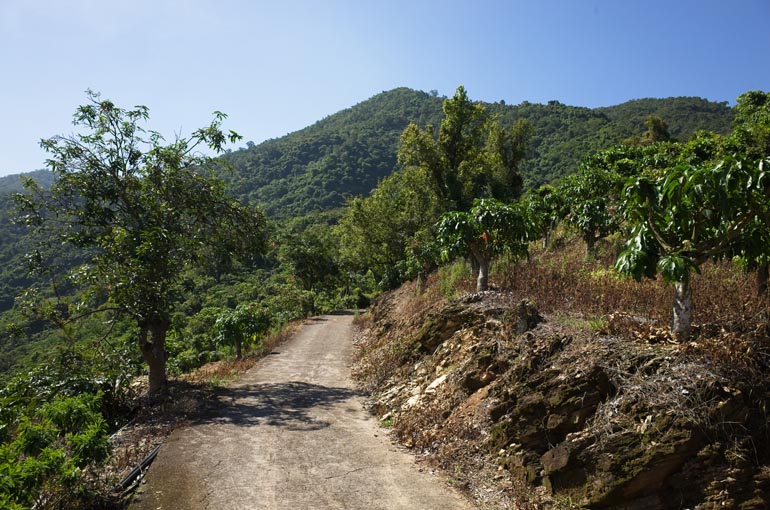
[46, 452]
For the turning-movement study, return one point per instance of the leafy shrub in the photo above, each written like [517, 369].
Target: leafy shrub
[47, 452]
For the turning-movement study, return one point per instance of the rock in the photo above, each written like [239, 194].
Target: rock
[527, 316]
[435, 384]
[603, 421]
[556, 459]
[413, 401]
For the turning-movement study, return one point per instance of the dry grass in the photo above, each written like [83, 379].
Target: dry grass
[379, 351]
[714, 384]
[563, 281]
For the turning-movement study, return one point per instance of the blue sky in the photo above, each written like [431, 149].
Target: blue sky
[278, 66]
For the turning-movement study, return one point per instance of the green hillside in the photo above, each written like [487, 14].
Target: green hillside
[13, 245]
[344, 154]
[347, 153]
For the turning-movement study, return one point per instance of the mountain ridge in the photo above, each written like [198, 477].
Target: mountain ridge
[347, 153]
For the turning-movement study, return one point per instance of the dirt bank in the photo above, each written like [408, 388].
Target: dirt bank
[536, 411]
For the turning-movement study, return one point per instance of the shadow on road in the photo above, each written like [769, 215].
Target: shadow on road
[291, 405]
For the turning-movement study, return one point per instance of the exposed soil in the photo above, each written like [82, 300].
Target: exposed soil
[530, 411]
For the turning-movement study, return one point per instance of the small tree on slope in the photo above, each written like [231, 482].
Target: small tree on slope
[489, 228]
[687, 216]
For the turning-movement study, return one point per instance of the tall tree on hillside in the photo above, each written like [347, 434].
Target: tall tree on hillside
[312, 255]
[657, 130]
[472, 156]
[376, 230]
[141, 211]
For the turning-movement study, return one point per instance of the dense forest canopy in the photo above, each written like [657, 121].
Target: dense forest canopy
[346, 154]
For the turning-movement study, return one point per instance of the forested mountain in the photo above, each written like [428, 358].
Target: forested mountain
[13, 246]
[347, 153]
[344, 154]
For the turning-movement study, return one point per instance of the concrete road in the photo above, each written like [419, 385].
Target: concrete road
[292, 434]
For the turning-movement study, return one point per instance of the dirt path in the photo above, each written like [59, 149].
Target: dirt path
[294, 435]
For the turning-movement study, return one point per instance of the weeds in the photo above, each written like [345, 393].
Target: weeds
[454, 279]
[563, 282]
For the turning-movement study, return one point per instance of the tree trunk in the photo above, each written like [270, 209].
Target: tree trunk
[154, 352]
[763, 272]
[590, 240]
[482, 282]
[681, 321]
[238, 349]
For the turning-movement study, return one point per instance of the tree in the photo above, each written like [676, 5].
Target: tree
[682, 218]
[752, 135]
[472, 156]
[657, 130]
[489, 228]
[591, 196]
[505, 150]
[141, 212]
[590, 199]
[545, 206]
[375, 231]
[751, 127]
[245, 322]
[312, 256]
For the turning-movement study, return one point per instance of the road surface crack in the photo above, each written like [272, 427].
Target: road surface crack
[346, 473]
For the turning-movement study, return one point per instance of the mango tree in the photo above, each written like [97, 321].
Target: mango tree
[488, 228]
[545, 206]
[244, 324]
[142, 212]
[682, 218]
[590, 202]
[591, 196]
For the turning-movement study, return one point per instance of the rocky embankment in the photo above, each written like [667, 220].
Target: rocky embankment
[531, 411]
